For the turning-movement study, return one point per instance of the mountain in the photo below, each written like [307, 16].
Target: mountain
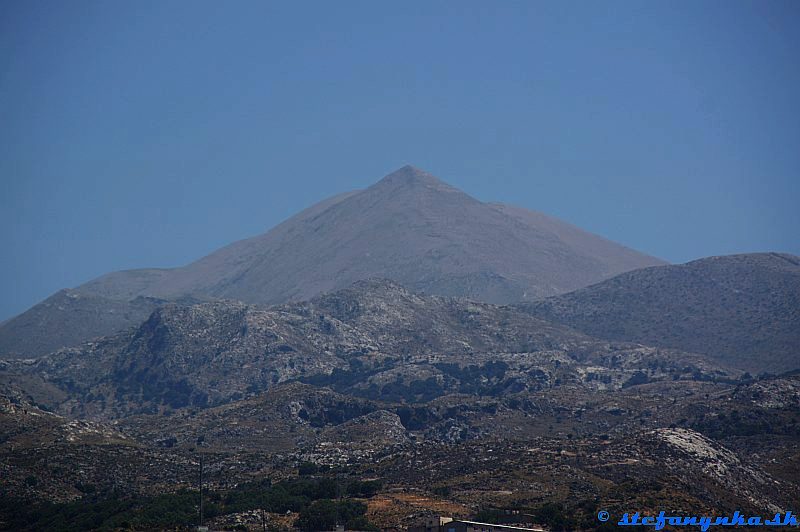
[739, 310]
[377, 394]
[70, 317]
[409, 227]
[375, 340]
[414, 229]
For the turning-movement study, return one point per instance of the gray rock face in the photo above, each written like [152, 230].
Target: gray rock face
[740, 310]
[409, 227]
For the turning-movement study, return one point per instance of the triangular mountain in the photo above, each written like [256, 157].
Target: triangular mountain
[409, 227]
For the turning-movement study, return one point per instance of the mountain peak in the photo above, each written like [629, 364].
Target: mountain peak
[409, 176]
[409, 227]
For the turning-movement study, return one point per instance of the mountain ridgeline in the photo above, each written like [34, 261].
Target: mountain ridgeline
[409, 227]
[739, 310]
[375, 340]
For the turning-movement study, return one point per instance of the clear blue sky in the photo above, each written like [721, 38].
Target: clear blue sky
[138, 134]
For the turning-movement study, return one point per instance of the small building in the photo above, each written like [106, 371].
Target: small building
[448, 524]
[430, 524]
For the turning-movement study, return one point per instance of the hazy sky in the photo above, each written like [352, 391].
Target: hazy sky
[150, 133]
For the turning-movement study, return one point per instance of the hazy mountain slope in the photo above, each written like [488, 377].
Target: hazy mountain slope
[129, 283]
[409, 227]
[102, 306]
[742, 310]
[614, 257]
[67, 318]
[412, 228]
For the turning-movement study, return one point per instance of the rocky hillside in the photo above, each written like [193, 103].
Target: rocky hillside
[375, 340]
[405, 403]
[739, 310]
[409, 227]
[560, 454]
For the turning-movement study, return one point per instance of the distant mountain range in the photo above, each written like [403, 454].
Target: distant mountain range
[328, 359]
[739, 310]
[409, 227]
[374, 340]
